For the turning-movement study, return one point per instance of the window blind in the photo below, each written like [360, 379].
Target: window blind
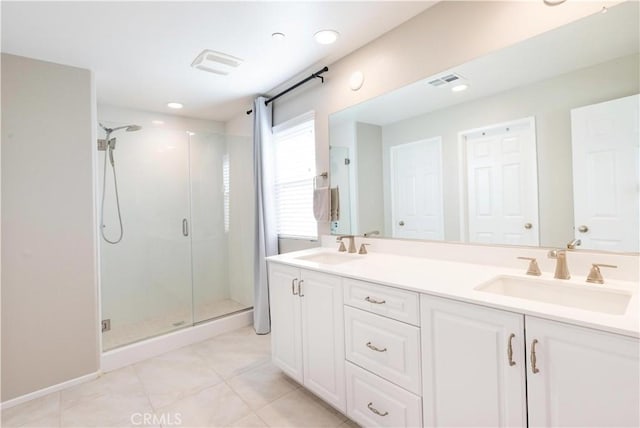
[295, 166]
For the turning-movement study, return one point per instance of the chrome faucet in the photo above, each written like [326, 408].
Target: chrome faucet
[573, 244]
[373, 232]
[352, 243]
[562, 269]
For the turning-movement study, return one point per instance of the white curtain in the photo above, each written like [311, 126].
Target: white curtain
[266, 242]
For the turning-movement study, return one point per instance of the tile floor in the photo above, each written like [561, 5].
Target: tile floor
[226, 381]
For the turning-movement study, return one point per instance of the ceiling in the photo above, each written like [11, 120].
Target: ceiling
[593, 40]
[141, 52]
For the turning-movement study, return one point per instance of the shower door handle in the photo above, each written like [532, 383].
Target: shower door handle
[185, 227]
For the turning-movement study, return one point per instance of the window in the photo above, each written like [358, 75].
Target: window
[295, 167]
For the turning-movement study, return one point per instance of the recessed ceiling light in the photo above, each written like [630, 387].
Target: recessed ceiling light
[459, 88]
[174, 105]
[278, 36]
[553, 2]
[326, 37]
[157, 122]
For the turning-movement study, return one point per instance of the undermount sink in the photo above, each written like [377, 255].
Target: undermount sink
[579, 296]
[329, 258]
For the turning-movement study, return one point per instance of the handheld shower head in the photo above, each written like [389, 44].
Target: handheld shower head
[128, 128]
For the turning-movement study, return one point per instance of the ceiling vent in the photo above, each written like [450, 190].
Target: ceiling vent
[445, 80]
[216, 62]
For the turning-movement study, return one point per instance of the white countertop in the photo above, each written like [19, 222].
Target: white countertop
[458, 281]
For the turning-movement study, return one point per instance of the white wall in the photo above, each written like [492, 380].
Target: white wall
[445, 35]
[49, 288]
[550, 102]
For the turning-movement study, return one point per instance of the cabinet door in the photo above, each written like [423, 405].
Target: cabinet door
[286, 331]
[323, 337]
[468, 379]
[584, 377]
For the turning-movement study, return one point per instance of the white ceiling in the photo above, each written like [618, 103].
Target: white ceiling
[587, 42]
[141, 51]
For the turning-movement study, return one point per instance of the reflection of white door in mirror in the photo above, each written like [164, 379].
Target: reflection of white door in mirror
[501, 184]
[416, 190]
[605, 174]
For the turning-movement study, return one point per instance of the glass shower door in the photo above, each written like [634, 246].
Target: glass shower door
[218, 219]
[146, 278]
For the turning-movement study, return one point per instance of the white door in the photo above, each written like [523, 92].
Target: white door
[323, 337]
[502, 184]
[470, 376]
[583, 378]
[416, 190]
[286, 331]
[605, 143]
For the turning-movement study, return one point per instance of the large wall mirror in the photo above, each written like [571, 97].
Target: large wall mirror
[535, 144]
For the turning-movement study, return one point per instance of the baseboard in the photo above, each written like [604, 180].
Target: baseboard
[48, 390]
[136, 352]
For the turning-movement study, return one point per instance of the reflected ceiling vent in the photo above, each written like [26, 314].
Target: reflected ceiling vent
[445, 80]
[216, 62]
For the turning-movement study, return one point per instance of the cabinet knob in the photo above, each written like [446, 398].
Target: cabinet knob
[376, 411]
[375, 348]
[401, 223]
[534, 360]
[583, 228]
[510, 350]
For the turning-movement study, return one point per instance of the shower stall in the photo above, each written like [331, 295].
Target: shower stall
[179, 195]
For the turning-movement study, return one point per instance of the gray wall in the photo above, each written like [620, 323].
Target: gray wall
[49, 292]
[550, 102]
[369, 167]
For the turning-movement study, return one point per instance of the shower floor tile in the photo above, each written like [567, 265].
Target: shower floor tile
[124, 334]
[167, 391]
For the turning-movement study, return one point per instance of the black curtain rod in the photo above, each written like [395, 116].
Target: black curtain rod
[316, 75]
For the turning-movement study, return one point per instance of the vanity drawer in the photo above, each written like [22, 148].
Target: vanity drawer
[374, 402]
[383, 346]
[391, 302]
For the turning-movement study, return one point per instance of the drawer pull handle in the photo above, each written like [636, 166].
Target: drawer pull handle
[300, 287]
[534, 367]
[293, 286]
[375, 348]
[376, 411]
[510, 350]
[377, 302]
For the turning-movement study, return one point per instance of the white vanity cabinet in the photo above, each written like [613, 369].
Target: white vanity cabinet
[307, 330]
[582, 378]
[476, 371]
[472, 365]
[382, 336]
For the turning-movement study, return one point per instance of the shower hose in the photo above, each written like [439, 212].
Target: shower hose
[104, 185]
